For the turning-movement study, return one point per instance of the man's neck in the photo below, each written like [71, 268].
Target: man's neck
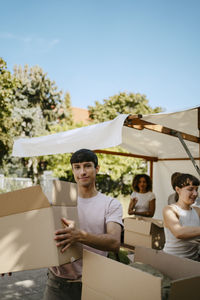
[87, 192]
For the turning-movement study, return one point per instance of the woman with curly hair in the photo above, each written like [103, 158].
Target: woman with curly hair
[143, 200]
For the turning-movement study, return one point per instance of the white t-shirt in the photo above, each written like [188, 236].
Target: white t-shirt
[143, 200]
[94, 213]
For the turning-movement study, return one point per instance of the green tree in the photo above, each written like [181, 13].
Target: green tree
[37, 106]
[7, 84]
[68, 110]
[121, 104]
[37, 103]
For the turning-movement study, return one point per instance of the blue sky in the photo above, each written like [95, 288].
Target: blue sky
[95, 49]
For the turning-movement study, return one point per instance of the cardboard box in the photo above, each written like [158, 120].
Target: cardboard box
[145, 232]
[28, 222]
[106, 279]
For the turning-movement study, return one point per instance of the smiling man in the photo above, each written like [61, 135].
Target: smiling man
[100, 221]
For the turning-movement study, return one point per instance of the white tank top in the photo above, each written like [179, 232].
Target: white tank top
[180, 247]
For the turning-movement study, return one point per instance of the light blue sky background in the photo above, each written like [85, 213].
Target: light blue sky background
[97, 48]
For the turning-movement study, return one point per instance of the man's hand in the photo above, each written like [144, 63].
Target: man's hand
[67, 236]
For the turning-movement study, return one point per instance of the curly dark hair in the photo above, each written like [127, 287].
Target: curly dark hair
[136, 181]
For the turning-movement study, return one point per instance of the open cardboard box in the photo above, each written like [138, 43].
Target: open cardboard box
[145, 232]
[106, 279]
[28, 221]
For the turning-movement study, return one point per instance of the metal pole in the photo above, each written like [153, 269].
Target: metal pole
[187, 150]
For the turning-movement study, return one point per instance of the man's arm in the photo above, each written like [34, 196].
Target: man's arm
[109, 241]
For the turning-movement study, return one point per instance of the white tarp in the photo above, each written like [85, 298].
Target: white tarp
[98, 136]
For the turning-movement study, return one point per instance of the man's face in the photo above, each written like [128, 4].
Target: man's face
[85, 173]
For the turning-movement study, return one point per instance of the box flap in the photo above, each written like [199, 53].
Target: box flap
[185, 289]
[22, 200]
[90, 294]
[137, 239]
[64, 193]
[173, 266]
[157, 222]
[137, 225]
[115, 280]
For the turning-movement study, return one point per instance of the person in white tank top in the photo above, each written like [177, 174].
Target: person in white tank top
[182, 219]
[143, 200]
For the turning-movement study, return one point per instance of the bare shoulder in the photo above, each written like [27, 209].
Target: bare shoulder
[170, 215]
[170, 209]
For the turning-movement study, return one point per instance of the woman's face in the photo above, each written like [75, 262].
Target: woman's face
[188, 194]
[142, 185]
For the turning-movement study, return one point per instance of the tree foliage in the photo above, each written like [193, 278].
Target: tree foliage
[7, 84]
[116, 173]
[121, 104]
[37, 105]
[68, 119]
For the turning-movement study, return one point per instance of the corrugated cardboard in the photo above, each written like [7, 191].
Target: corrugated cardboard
[28, 222]
[106, 279]
[145, 232]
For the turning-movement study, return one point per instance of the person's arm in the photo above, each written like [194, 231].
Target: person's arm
[131, 208]
[150, 212]
[110, 241]
[171, 221]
